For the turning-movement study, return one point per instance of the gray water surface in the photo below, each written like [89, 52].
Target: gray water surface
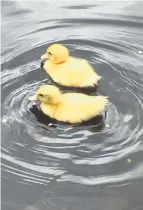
[83, 168]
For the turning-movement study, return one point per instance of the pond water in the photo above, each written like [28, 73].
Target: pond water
[82, 168]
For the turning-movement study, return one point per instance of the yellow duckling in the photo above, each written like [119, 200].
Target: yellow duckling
[68, 71]
[69, 107]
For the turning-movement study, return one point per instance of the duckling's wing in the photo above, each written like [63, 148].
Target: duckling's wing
[59, 73]
[79, 107]
[75, 72]
[82, 74]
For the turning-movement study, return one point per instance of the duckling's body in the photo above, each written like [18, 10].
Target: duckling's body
[69, 107]
[68, 71]
[75, 107]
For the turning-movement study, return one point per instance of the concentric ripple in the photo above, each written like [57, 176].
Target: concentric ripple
[34, 152]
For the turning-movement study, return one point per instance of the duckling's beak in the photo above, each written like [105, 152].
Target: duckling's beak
[43, 57]
[35, 100]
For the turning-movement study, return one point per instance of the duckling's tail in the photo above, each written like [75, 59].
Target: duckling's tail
[96, 78]
[100, 104]
[92, 80]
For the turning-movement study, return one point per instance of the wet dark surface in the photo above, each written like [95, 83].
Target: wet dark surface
[57, 167]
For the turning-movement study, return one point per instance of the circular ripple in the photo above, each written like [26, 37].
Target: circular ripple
[35, 152]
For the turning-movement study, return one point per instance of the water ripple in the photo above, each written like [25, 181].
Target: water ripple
[34, 152]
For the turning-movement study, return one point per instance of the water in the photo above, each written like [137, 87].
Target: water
[56, 167]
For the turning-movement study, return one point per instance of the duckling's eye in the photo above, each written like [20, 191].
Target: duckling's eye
[49, 53]
[41, 95]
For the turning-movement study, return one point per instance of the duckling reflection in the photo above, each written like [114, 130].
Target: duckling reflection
[95, 124]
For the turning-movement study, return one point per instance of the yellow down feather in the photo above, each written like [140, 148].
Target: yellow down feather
[67, 70]
[69, 107]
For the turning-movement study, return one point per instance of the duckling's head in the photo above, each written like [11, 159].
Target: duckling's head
[57, 53]
[48, 94]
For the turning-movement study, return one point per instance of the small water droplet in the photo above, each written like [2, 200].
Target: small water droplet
[140, 52]
[129, 160]
[50, 124]
[107, 126]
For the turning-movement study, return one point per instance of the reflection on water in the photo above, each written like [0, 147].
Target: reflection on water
[71, 168]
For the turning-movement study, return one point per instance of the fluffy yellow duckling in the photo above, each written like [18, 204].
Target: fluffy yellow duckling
[68, 71]
[69, 107]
